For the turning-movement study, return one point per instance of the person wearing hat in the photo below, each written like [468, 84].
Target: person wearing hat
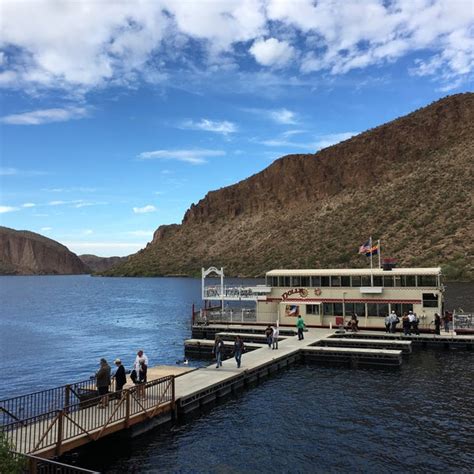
[120, 378]
[102, 378]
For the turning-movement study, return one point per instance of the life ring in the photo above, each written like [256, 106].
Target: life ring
[303, 292]
[317, 291]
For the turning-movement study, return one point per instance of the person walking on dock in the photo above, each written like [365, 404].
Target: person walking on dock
[437, 323]
[268, 334]
[136, 364]
[141, 378]
[387, 323]
[414, 321]
[102, 378]
[120, 378]
[300, 327]
[218, 350]
[393, 322]
[275, 334]
[406, 324]
[238, 350]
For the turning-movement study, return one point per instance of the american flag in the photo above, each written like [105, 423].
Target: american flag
[365, 248]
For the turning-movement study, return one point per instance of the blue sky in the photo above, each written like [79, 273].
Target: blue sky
[117, 116]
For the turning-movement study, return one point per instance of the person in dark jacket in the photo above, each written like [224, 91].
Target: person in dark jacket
[437, 323]
[120, 378]
[218, 351]
[102, 378]
[141, 380]
[238, 350]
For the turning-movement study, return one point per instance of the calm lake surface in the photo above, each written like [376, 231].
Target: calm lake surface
[54, 329]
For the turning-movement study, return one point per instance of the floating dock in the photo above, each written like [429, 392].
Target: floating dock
[35, 428]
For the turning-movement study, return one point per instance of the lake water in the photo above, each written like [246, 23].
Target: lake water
[420, 418]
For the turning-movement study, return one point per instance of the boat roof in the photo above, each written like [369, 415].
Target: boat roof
[354, 271]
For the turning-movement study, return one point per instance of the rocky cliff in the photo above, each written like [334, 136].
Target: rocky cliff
[26, 253]
[407, 182]
[101, 264]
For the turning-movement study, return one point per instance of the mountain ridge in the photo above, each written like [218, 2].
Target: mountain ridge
[406, 182]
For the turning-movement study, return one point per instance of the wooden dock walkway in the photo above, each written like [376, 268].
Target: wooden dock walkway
[183, 390]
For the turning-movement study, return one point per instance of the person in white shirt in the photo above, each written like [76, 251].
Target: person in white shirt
[275, 334]
[140, 355]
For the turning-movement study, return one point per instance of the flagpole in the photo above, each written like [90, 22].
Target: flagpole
[371, 268]
[380, 253]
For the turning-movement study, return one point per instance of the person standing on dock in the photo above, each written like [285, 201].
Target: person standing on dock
[300, 327]
[406, 323]
[414, 322]
[387, 323]
[437, 323]
[393, 322]
[102, 380]
[275, 334]
[218, 350]
[120, 378]
[136, 364]
[238, 350]
[268, 334]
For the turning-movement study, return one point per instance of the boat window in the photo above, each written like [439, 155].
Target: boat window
[296, 281]
[345, 281]
[312, 309]
[325, 281]
[316, 281]
[388, 280]
[382, 309]
[397, 280]
[337, 309]
[378, 280]
[372, 309]
[377, 309]
[410, 280]
[349, 308]
[430, 300]
[284, 281]
[406, 307]
[365, 280]
[305, 281]
[272, 280]
[397, 308]
[335, 281]
[427, 280]
[359, 308]
[356, 281]
[328, 309]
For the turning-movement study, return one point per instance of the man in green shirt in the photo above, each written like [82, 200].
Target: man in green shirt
[300, 326]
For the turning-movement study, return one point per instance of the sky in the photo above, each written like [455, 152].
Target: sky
[116, 116]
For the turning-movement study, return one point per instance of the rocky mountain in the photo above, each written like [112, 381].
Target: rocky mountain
[101, 264]
[26, 253]
[407, 182]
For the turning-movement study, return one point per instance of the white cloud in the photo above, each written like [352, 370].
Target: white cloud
[195, 157]
[39, 117]
[316, 143]
[93, 44]
[46, 229]
[87, 232]
[225, 127]
[332, 139]
[8, 171]
[28, 204]
[282, 116]
[145, 209]
[272, 52]
[5, 209]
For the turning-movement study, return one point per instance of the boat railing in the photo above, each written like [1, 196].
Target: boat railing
[235, 292]
[463, 321]
[217, 315]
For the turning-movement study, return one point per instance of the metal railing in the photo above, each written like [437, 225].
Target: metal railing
[55, 427]
[463, 321]
[37, 465]
[45, 401]
[204, 316]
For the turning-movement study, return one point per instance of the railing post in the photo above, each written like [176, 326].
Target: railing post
[59, 439]
[67, 398]
[127, 407]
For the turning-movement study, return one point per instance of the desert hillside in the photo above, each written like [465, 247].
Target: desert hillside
[27, 253]
[407, 182]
